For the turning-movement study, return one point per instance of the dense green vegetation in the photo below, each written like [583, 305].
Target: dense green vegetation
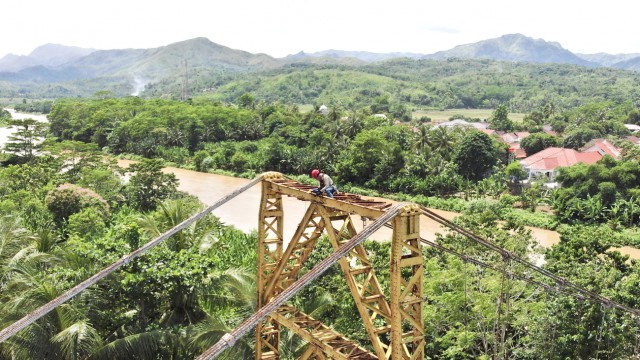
[42, 107]
[65, 212]
[181, 297]
[402, 84]
[397, 86]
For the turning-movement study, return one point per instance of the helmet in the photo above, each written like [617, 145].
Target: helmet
[315, 173]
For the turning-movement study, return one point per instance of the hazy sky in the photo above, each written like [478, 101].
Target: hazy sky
[282, 27]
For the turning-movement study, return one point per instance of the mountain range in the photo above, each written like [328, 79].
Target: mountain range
[79, 70]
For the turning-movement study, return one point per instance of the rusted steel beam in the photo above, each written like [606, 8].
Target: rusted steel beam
[344, 202]
[319, 335]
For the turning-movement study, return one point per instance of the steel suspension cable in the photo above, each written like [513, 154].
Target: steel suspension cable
[45, 309]
[229, 339]
[561, 282]
[468, 259]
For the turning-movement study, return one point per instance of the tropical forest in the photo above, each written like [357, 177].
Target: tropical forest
[69, 209]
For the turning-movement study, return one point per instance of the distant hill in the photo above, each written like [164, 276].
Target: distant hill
[42, 75]
[198, 52]
[630, 64]
[605, 59]
[361, 55]
[48, 55]
[14, 63]
[514, 47]
[54, 54]
[56, 70]
[321, 59]
[123, 69]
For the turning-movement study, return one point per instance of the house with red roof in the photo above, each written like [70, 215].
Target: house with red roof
[516, 151]
[547, 162]
[512, 137]
[633, 139]
[603, 146]
[513, 140]
[547, 129]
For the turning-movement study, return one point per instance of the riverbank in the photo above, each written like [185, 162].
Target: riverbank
[242, 212]
[5, 132]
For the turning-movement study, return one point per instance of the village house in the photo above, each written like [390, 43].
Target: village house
[602, 146]
[546, 163]
[632, 127]
[461, 123]
[513, 140]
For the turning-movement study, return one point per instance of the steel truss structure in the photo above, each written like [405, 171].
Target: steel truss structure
[392, 321]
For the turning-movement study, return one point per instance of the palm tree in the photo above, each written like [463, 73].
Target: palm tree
[12, 238]
[352, 126]
[65, 333]
[292, 346]
[184, 302]
[423, 139]
[202, 233]
[549, 110]
[442, 140]
[229, 292]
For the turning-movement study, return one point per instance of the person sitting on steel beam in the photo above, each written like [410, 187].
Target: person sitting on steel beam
[326, 185]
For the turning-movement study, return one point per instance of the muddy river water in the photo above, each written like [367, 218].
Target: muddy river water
[242, 211]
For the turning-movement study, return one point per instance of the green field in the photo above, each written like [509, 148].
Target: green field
[445, 115]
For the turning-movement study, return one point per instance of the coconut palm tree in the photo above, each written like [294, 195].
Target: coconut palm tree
[64, 333]
[227, 298]
[352, 125]
[442, 140]
[183, 307]
[13, 236]
[201, 233]
[423, 139]
[292, 346]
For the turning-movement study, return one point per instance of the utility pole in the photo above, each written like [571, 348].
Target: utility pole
[185, 83]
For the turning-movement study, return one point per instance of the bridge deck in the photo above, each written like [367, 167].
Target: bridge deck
[351, 203]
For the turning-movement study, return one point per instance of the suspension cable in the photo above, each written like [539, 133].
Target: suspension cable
[230, 338]
[469, 259]
[48, 307]
[560, 281]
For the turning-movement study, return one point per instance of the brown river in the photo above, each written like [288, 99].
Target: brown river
[242, 211]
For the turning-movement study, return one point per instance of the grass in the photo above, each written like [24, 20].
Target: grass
[305, 108]
[444, 115]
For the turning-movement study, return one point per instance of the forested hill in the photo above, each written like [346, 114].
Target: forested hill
[199, 67]
[395, 85]
[453, 83]
[515, 47]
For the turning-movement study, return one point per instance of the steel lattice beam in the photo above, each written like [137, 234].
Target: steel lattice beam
[407, 329]
[362, 281]
[384, 318]
[270, 242]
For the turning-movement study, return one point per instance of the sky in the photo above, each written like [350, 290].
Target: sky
[282, 27]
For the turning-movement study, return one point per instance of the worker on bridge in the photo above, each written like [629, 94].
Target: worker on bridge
[325, 184]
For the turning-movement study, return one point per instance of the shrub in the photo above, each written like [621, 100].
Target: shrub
[68, 199]
[86, 223]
